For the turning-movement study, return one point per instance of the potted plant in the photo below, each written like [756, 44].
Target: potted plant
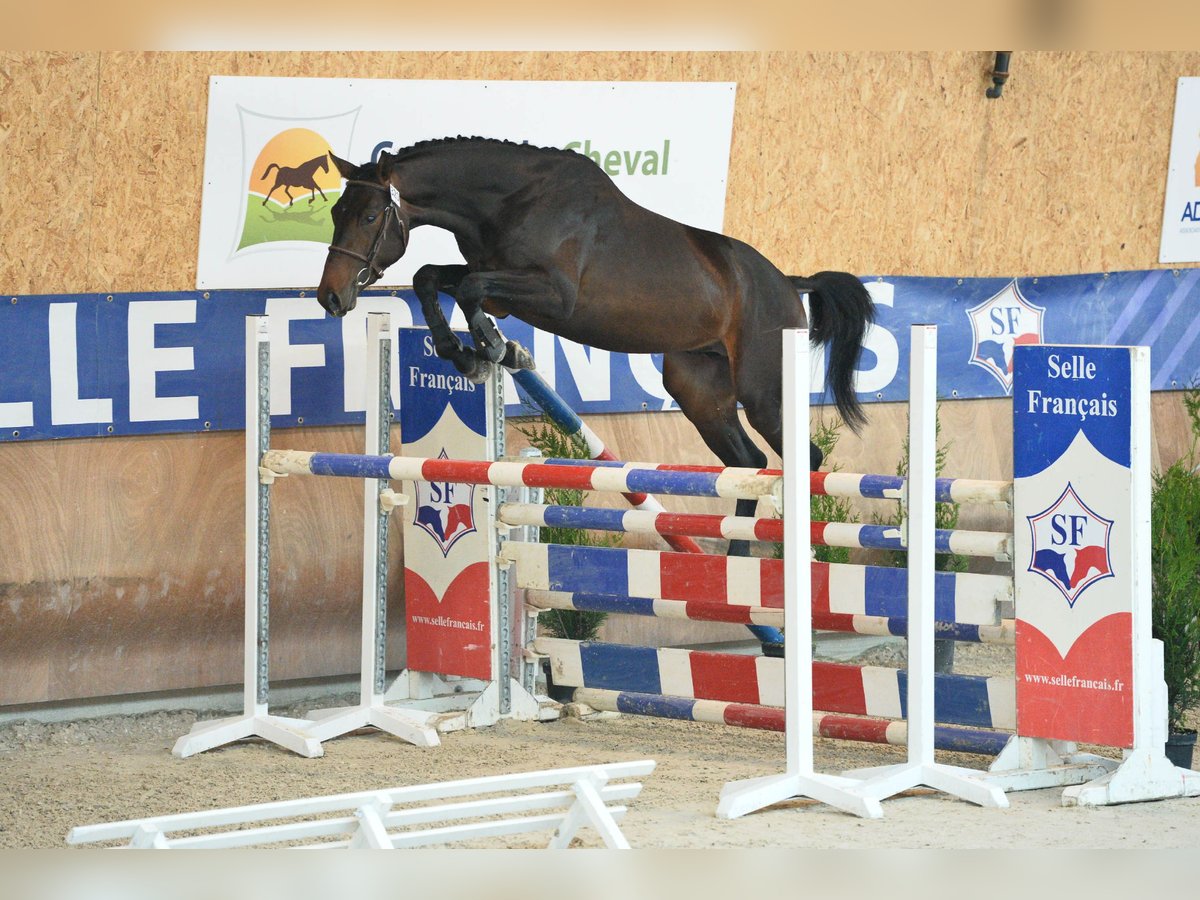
[1175, 584]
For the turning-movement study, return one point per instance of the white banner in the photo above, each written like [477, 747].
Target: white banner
[1181, 209]
[666, 145]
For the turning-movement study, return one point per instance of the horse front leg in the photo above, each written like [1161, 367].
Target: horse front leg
[427, 282]
[522, 293]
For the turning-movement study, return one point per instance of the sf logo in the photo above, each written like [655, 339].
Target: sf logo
[1070, 545]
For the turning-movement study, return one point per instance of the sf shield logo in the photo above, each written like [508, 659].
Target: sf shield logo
[999, 324]
[1071, 545]
[446, 511]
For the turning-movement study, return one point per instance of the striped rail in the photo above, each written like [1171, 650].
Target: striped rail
[844, 484]
[686, 676]
[730, 483]
[829, 534]
[827, 725]
[557, 410]
[842, 592]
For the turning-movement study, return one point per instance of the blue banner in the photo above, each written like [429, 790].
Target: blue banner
[100, 364]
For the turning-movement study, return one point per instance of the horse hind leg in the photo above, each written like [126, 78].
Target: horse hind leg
[759, 389]
[701, 383]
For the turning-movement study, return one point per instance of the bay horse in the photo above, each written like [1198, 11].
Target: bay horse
[547, 237]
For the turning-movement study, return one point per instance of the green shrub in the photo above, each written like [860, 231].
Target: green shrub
[945, 515]
[1175, 571]
[830, 509]
[548, 437]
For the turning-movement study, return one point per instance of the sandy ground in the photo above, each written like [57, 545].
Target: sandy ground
[58, 776]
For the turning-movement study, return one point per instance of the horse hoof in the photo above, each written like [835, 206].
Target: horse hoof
[481, 371]
[517, 357]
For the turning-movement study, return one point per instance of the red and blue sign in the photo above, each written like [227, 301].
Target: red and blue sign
[448, 532]
[1074, 522]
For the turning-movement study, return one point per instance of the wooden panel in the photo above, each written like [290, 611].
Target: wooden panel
[123, 566]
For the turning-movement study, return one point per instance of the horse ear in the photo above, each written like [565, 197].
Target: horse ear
[386, 163]
[344, 168]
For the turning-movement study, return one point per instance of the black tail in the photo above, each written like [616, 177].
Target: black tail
[840, 309]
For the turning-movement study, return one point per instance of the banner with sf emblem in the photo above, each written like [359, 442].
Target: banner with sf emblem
[1078, 515]
[448, 528]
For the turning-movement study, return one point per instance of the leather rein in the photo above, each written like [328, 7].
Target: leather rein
[391, 213]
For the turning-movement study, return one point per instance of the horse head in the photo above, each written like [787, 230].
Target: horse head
[370, 232]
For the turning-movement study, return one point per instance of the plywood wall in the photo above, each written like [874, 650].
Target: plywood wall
[882, 163]
[122, 563]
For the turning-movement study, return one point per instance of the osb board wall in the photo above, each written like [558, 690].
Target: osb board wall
[889, 163]
[122, 564]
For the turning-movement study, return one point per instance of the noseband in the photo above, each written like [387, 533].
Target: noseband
[391, 213]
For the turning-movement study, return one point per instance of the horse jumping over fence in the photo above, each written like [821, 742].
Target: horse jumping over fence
[301, 176]
[549, 238]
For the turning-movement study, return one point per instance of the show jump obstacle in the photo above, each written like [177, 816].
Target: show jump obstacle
[1087, 669]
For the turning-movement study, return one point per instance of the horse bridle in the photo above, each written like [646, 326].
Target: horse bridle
[390, 213]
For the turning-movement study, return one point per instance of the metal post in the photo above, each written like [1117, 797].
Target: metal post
[255, 719]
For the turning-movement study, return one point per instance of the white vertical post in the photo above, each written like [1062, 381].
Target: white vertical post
[1145, 772]
[258, 511]
[741, 797]
[921, 768]
[1149, 698]
[415, 726]
[255, 720]
[797, 558]
[922, 477]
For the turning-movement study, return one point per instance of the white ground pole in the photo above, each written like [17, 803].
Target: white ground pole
[741, 797]
[921, 768]
[255, 720]
[1145, 773]
[415, 726]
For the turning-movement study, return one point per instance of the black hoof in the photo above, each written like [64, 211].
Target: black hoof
[480, 371]
[516, 357]
[773, 650]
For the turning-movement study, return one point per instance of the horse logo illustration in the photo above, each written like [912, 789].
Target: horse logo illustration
[300, 176]
[1070, 545]
[293, 160]
[997, 325]
[445, 510]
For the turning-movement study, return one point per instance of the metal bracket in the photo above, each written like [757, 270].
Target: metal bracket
[268, 476]
[390, 500]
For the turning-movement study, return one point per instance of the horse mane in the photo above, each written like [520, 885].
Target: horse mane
[475, 140]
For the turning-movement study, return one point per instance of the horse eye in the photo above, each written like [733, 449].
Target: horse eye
[370, 218]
